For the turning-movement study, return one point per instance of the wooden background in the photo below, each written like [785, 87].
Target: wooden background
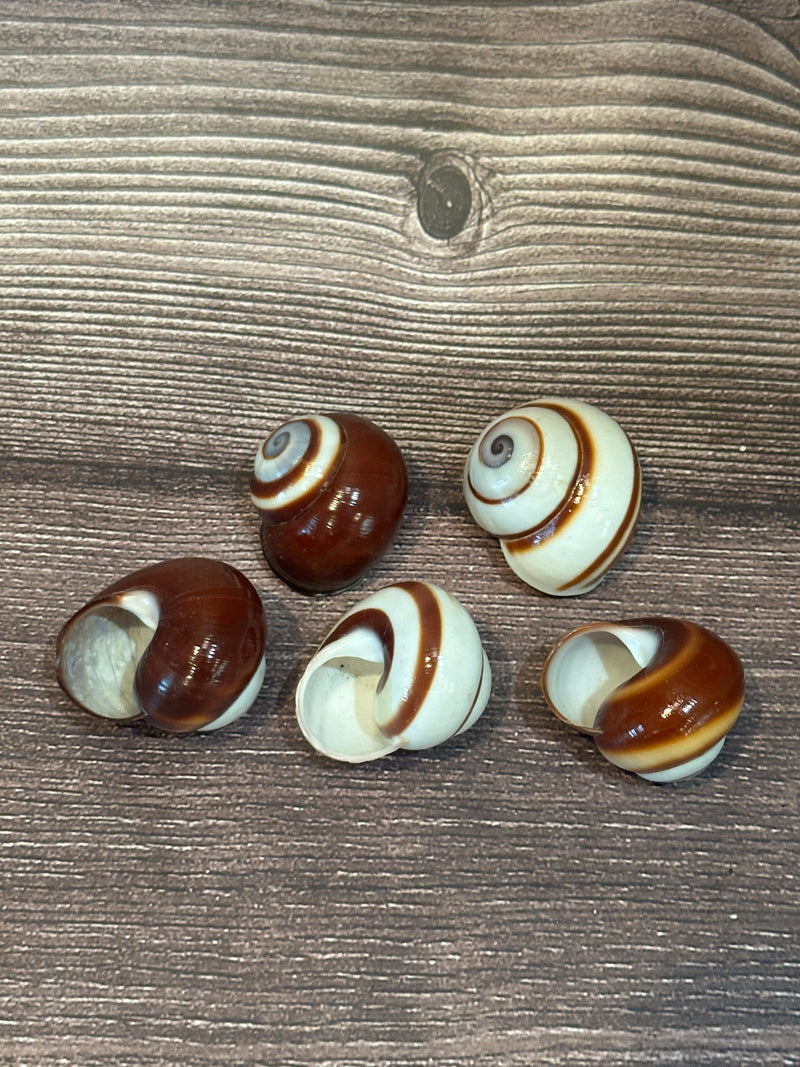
[208, 224]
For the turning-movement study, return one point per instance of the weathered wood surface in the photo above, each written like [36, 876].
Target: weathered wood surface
[209, 224]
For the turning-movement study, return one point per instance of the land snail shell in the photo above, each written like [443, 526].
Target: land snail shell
[179, 644]
[404, 668]
[658, 694]
[559, 482]
[331, 490]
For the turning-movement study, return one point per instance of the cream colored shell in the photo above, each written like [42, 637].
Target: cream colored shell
[558, 481]
[404, 668]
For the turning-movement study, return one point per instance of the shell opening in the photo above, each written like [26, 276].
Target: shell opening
[100, 652]
[338, 697]
[589, 666]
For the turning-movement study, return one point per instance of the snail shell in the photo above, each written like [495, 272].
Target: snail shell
[559, 482]
[331, 490]
[658, 694]
[404, 668]
[179, 644]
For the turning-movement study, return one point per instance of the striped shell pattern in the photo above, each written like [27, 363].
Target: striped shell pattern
[404, 668]
[559, 482]
[658, 694]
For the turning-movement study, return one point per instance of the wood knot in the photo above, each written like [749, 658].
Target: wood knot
[446, 199]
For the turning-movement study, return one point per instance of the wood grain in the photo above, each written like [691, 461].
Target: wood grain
[208, 224]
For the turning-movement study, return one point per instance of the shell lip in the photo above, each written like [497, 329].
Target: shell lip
[609, 654]
[338, 693]
[112, 621]
[591, 662]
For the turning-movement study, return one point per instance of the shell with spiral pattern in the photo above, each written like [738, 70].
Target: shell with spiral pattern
[559, 482]
[331, 491]
[178, 644]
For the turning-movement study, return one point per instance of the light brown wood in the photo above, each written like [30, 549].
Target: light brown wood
[208, 224]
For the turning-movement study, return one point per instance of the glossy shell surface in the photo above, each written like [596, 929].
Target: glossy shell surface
[658, 694]
[559, 482]
[331, 491]
[404, 668]
[179, 644]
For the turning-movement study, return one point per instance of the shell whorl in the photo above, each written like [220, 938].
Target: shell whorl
[405, 668]
[658, 694]
[559, 482]
[294, 464]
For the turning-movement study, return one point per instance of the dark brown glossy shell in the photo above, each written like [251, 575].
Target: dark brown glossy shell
[331, 537]
[208, 644]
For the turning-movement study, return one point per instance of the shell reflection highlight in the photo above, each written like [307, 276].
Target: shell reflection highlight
[658, 694]
[179, 644]
[331, 491]
[404, 668]
[559, 482]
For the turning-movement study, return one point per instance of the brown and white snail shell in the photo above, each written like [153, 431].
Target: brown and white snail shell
[658, 694]
[558, 481]
[331, 490]
[404, 668]
[179, 644]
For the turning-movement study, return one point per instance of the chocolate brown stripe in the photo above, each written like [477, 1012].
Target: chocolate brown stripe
[371, 619]
[715, 732]
[620, 539]
[430, 643]
[581, 479]
[693, 685]
[430, 620]
[474, 700]
[504, 500]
